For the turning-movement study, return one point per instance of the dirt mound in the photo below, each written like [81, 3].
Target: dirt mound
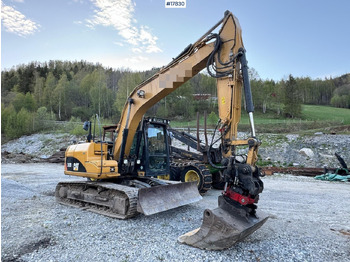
[37, 148]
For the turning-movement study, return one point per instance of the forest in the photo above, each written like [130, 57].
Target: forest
[34, 94]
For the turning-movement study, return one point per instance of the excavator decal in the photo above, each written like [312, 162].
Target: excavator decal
[73, 164]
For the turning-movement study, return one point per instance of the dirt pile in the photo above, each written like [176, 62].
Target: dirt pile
[37, 148]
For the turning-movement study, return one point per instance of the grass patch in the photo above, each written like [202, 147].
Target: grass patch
[326, 113]
[314, 118]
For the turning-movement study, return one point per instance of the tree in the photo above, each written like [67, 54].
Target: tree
[213, 119]
[24, 101]
[292, 101]
[48, 94]
[268, 94]
[179, 104]
[60, 94]
[41, 118]
[257, 92]
[253, 74]
[16, 124]
[107, 98]
[6, 113]
[207, 85]
[277, 97]
[29, 102]
[97, 90]
[8, 80]
[341, 97]
[24, 122]
[18, 101]
[39, 88]
[263, 91]
[125, 85]
[25, 78]
[9, 122]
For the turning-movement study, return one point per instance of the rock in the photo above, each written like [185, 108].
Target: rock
[318, 134]
[327, 156]
[306, 152]
[292, 137]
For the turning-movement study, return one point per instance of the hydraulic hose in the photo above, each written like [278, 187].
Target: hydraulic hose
[247, 89]
[246, 83]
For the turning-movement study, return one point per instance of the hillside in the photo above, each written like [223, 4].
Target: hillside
[63, 90]
[276, 149]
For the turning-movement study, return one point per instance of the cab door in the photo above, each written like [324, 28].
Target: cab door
[157, 150]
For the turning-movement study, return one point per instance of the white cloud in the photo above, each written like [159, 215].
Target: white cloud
[118, 43]
[136, 59]
[77, 22]
[16, 22]
[138, 62]
[136, 50]
[119, 15]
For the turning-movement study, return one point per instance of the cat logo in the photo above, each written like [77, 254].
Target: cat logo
[75, 166]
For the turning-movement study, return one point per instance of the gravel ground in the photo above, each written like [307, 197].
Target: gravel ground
[309, 222]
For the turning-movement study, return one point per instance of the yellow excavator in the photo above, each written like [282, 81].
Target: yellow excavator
[122, 174]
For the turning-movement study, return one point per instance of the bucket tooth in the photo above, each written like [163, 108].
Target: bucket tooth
[223, 226]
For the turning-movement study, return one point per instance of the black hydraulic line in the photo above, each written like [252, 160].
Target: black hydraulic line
[122, 151]
[220, 66]
[198, 144]
[125, 137]
[247, 89]
[139, 136]
[211, 146]
[205, 129]
[93, 136]
[99, 125]
[246, 83]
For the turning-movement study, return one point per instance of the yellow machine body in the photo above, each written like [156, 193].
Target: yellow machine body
[90, 164]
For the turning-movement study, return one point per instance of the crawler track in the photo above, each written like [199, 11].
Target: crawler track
[108, 199]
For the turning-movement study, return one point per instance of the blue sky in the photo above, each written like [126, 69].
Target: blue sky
[298, 37]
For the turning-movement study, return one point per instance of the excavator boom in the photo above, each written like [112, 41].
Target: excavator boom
[189, 63]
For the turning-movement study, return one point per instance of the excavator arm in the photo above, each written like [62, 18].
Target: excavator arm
[221, 53]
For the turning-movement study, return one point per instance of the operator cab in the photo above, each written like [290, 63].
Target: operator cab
[150, 147]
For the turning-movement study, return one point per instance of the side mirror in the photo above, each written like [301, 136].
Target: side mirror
[86, 125]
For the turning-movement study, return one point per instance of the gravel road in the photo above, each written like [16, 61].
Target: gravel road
[310, 221]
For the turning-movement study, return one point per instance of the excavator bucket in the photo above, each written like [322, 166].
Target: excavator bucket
[157, 199]
[223, 227]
